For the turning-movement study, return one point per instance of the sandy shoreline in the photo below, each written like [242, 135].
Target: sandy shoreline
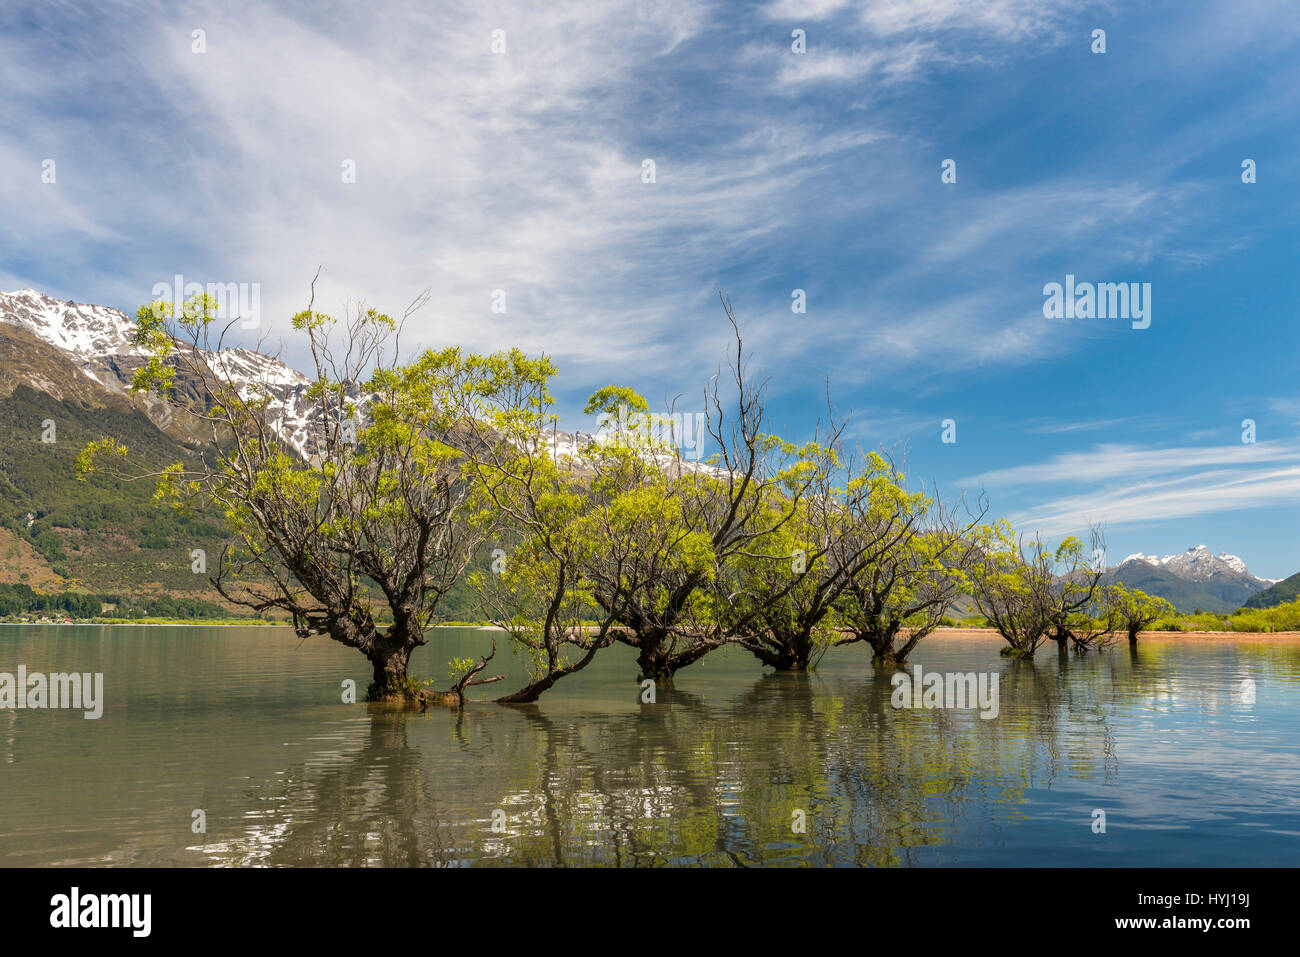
[1250, 637]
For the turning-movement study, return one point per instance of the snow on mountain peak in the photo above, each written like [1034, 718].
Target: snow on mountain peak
[1233, 562]
[86, 331]
[1197, 563]
[1139, 557]
[98, 337]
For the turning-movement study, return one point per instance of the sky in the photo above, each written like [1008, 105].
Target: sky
[474, 149]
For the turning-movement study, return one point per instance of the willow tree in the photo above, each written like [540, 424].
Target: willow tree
[783, 591]
[1135, 610]
[916, 553]
[1092, 624]
[669, 527]
[358, 531]
[538, 597]
[655, 562]
[1029, 592]
[536, 590]
[777, 595]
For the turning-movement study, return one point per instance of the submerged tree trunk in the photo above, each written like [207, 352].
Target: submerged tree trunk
[535, 689]
[655, 659]
[884, 654]
[886, 658]
[659, 663]
[654, 668]
[652, 656]
[784, 652]
[1016, 651]
[390, 658]
[784, 660]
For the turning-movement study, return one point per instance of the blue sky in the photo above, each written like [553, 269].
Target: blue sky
[774, 171]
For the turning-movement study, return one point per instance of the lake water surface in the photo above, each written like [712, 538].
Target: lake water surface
[1191, 764]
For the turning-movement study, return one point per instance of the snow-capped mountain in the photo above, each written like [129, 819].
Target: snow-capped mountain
[1194, 579]
[89, 333]
[1198, 564]
[98, 340]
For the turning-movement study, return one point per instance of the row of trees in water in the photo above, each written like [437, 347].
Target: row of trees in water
[418, 469]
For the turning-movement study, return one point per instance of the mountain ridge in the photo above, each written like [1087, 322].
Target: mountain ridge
[1197, 563]
[1192, 579]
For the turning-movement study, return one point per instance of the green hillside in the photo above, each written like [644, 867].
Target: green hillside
[1287, 590]
[102, 535]
[78, 546]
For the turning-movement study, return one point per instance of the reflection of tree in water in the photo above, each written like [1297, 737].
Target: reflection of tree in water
[644, 789]
[1168, 674]
[688, 782]
[367, 807]
[883, 783]
[1062, 709]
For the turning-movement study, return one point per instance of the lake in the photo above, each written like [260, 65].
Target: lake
[1189, 749]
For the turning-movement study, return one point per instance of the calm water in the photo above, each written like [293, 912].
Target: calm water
[1190, 766]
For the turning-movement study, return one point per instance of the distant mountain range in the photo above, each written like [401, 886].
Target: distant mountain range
[1191, 580]
[97, 341]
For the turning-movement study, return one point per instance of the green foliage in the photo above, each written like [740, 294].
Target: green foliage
[1135, 610]
[1030, 592]
[1283, 617]
[369, 537]
[611, 397]
[404, 687]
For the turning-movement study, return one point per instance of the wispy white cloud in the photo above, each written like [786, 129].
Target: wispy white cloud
[812, 10]
[1058, 428]
[1124, 462]
[522, 171]
[1287, 407]
[1186, 496]
[1118, 485]
[1006, 19]
[884, 65]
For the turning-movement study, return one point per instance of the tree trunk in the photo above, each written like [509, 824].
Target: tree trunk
[534, 690]
[790, 653]
[390, 659]
[788, 661]
[652, 658]
[654, 667]
[883, 653]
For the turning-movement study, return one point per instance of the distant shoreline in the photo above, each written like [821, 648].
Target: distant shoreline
[1257, 637]
[1252, 637]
